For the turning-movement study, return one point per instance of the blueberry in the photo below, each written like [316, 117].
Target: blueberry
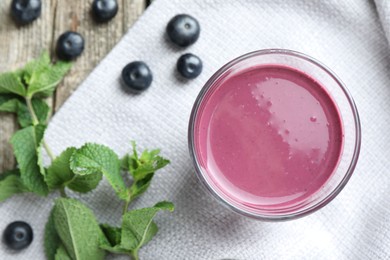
[18, 235]
[183, 30]
[189, 66]
[137, 76]
[104, 10]
[69, 45]
[25, 11]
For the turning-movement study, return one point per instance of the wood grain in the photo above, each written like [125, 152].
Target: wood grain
[18, 44]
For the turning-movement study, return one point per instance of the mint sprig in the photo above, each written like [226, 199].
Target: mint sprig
[137, 229]
[142, 169]
[72, 231]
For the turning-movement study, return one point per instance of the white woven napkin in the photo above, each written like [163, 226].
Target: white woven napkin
[345, 35]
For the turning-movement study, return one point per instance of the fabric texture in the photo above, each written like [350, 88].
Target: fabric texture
[347, 36]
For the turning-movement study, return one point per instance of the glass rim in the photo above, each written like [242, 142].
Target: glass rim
[317, 205]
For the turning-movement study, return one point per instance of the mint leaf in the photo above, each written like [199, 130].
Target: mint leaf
[165, 205]
[42, 77]
[147, 163]
[25, 143]
[85, 183]
[61, 254]
[8, 173]
[8, 103]
[52, 240]
[113, 249]
[34, 66]
[23, 115]
[10, 83]
[93, 158]
[11, 184]
[113, 234]
[78, 229]
[41, 166]
[125, 161]
[142, 169]
[140, 186]
[60, 175]
[113, 239]
[137, 227]
[151, 232]
[41, 110]
[59, 172]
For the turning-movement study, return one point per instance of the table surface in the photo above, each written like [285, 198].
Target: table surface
[20, 44]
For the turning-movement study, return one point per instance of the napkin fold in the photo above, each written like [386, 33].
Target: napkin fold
[383, 9]
[348, 36]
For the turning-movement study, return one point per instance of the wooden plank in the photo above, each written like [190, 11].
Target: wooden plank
[132, 9]
[18, 45]
[99, 38]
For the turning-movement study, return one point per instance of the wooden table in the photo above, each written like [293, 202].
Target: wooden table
[20, 44]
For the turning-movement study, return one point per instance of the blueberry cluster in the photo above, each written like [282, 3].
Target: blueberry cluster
[70, 44]
[182, 30]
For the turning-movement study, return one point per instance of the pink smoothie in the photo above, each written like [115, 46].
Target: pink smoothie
[268, 136]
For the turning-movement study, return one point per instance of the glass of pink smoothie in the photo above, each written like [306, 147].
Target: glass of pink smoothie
[274, 135]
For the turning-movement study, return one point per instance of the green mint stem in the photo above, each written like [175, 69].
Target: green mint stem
[126, 206]
[48, 150]
[134, 254]
[127, 203]
[31, 111]
[36, 122]
[63, 193]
